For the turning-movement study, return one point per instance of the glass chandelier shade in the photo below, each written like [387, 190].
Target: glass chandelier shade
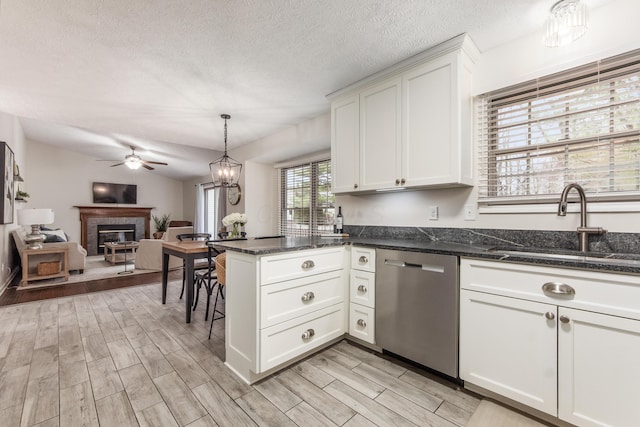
[225, 172]
[567, 22]
[133, 162]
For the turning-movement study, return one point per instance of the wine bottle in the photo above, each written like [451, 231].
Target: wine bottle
[339, 221]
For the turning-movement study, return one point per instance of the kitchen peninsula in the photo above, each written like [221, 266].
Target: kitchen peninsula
[290, 297]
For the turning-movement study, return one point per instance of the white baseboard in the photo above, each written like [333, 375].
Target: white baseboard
[9, 280]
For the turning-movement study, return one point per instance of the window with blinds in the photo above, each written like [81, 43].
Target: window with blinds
[306, 200]
[580, 125]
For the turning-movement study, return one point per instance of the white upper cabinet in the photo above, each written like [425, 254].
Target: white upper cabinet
[345, 144]
[380, 135]
[410, 125]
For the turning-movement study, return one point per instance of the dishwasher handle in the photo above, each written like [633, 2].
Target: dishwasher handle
[404, 264]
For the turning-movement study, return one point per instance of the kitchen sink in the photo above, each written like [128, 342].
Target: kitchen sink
[591, 257]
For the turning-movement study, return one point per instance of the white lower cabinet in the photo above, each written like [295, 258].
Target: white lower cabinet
[362, 294]
[282, 306]
[548, 349]
[499, 336]
[599, 369]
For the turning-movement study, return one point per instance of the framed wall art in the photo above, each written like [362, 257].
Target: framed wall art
[6, 160]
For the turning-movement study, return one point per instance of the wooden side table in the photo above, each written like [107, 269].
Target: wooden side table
[115, 251]
[31, 274]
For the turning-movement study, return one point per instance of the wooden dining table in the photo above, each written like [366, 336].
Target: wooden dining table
[189, 252]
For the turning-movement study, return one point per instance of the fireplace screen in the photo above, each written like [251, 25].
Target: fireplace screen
[115, 233]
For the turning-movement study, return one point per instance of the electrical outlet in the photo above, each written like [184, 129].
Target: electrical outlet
[433, 212]
[469, 212]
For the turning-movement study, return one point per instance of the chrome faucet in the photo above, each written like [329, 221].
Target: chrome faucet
[583, 230]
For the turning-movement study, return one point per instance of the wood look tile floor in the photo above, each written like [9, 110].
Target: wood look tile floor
[121, 358]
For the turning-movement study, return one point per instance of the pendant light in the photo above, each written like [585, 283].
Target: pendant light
[567, 22]
[225, 172]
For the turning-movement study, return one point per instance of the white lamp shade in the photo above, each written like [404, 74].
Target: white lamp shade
[35, 216]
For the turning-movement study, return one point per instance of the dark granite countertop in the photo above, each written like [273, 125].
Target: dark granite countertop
[606, 262]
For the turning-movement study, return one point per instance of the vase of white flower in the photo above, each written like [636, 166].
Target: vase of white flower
[235, 221]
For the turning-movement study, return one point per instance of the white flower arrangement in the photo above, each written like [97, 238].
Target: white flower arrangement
[235, 218]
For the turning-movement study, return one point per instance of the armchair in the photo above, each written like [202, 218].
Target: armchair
[149, 253]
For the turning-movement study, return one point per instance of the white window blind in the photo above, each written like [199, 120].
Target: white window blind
[306, 200]
[581, 125]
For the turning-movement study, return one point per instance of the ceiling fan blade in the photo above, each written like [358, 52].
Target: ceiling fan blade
[156, 163]
[146, 166]
[118, 164]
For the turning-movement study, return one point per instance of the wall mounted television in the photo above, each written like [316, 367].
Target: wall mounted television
[105, 192]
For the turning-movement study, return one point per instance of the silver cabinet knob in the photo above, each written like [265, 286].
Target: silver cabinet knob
[363, 260]
[307, 265]
[362, 323]
[564, 319]
[308, 334]
[362, 288]
[557, 288]
[355, 185]
[307, 296]
[549, 315]
[402, 181]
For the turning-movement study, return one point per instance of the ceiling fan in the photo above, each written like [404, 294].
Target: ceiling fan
[133, 161]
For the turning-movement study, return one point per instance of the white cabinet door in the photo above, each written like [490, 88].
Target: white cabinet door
[598, 362]
[345, 144]
[380, 135]
[430, 130]
[508, 346]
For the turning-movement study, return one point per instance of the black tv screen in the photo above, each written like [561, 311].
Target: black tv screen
[104, 192]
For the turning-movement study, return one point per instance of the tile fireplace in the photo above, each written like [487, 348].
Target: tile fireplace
[135, 220]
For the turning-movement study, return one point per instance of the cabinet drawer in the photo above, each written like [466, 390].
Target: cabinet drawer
[362, 286]
[292, 265]
[363, 258]
[285, 341]
[361, 323]
[285, 300]
[607, 293]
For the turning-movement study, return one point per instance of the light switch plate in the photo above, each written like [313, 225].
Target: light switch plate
[433, 213]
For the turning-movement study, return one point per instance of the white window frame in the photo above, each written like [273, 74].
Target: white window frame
[315, 225]
[570, 85]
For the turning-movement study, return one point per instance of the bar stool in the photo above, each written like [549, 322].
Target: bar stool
[221, 263]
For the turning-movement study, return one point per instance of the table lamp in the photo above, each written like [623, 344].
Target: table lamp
[34, 218]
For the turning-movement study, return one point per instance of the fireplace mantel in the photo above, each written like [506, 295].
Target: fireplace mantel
[87, 212]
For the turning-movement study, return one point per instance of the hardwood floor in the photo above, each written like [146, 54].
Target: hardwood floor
[120, 357]
[14, 296]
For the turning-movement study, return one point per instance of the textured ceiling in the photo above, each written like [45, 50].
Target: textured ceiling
[99, 75]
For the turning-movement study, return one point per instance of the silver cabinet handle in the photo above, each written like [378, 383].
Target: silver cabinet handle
[362, 323]
[307, 296]
[564, 319]
[402, 181]
[397, 181]
[308, 265]
[557, 288]
[549, 315]
[363, 260]
[362, 288]
[308, 334]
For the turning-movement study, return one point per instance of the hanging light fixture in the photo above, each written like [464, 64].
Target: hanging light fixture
[225, 171]
[567, 22]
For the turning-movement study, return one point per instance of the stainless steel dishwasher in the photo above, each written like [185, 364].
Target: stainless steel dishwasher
[417, 307]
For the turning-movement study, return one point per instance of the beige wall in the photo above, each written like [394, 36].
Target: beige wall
[60, 179]
[11, 133]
